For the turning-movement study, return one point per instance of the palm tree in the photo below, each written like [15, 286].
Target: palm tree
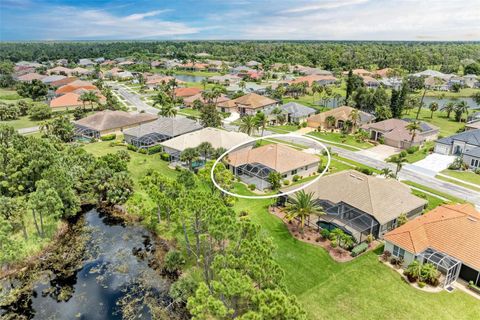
[242, 85]
[189, 155]
[462, 107]
[261, 121]
[433, 107]
[204, 83]
[399, 160]
[248, 125]
[413, 127]
[316, 88]
[205, 149]
[387, 172]
[354, 117]
[301, 206]
[448, 108]
[168, 110]
[330, 120]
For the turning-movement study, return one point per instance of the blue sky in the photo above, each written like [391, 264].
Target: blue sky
[240, 19]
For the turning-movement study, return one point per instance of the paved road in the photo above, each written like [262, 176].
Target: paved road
[133, 99]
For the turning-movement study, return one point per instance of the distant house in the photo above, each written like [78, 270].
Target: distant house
[394, 83]
[60, 70]
[295, 112]
[465, 144]
[71, 100]
[253, 63]
[80, 71]
[75, 85]
[360, 73]
[370, 82]
[63, 81]
[471, 81]
[189, 101]
[29, 77]
[86, 63]
[218, 138]
[384, 73]
[225, 79]
[52, 78]
[254, 165]
[341, 116]
[99, 60]
[310, 71]
[162, 129]
[249, 104]
[431, 73]
[436, 83]
[107, 122]
[360, 204]
[186, 92]
[394, 133]
[124, 75]
[322, 80]
[250, 87]
[447, 237]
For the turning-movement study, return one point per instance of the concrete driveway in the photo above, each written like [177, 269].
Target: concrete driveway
[380, 152]
[432, 164]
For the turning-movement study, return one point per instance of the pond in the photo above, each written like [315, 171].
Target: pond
[189, 78]
[113, 280]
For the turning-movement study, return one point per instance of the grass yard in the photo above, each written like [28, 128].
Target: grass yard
[439, 193]
[189, 112]
[421, 153]
[7, 95]
[22, 122]
[283, 129]
[447, 126]
[467, 176]
[338, 138]
[360, 289]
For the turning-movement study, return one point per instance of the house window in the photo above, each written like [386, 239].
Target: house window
[294, 172]
[398, 252]
[284, 175]
[474, 163]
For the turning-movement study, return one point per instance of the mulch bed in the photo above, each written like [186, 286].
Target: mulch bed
[312, 236]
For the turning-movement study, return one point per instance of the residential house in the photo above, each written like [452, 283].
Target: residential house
[465, 144]
[249, 104]
[307, 71]
[71, 100]
[341, 116]
[75, 85]
[86, 63]
[394, 133]
[436, 83]
[162, 129]
[62, 82]
[294, 112]
[471, 81]
[253, 63]
[370, 82]
[254, 165]
[186, 92]
[80, 71]
[52, 78]
[447, 237]
[250, 87]
[60, 70]
[218, 138]
[472, 125]
[360, 204]
[108, 121]
[124, 75]
[29, 77]
[322, 80]
[225, 79]
[384, 73]
[359, 72]
[190, 101]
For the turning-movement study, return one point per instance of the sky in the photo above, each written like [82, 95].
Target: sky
[422, 20]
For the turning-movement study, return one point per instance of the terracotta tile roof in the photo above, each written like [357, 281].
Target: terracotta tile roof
[451, 229]
[186, 92]
[383, 72]
[313, 78]
[340, 113]
[253, 101]
[384, 199]
[71, 99]
[278, 157]
[63, 81]
[108, 120]
[396, 129]
[75, 85]
[31, 76]
[189, 100]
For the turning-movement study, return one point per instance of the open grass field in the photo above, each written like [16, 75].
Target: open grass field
[22, 122]
[360, 289]
[447, 126]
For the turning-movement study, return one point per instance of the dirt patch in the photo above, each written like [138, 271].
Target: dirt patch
[312, 236]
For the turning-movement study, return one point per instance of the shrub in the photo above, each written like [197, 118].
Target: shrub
[325, 233]
[358, 249]
[304, 124]
[403, 154]
[370, 238]
[333, 243]
[296, 178]
[386, 255]
[165, 156]
[155, 149]
[108, 137]
[286, 182]
[366, 171]
[132, 147]
[421, 284]
[173, 262]
[413, 271]
[251, 186]
[477, 171]
[412, 149]
[473, 287]
[40, 112]
[143, 151]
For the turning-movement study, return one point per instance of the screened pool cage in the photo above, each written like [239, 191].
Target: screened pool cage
[254, 173]
[86, 132]
[149, 140]
[444, 263]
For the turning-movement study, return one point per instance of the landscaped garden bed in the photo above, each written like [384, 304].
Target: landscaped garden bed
[313, 236]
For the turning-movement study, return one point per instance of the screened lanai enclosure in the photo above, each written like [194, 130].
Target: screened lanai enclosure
[254, 173]
[447, 265]
[86, 132]
[147, 140]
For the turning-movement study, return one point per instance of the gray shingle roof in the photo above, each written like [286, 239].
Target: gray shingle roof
[171, 127]
[471, 137]
[475, 152]
[297, 109]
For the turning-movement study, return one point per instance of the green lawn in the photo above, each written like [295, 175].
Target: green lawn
[466, 176]
[22, 122]
[189, 112]
[422, 153]
[339, 138]
[7, 95]
[465, 92]
[439, 193]
[360, 289]
[283, 129]
[447, 126]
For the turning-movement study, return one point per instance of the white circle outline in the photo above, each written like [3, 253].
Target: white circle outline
[273, 195]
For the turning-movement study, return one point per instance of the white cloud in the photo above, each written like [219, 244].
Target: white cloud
[75, 23]
[329, 4]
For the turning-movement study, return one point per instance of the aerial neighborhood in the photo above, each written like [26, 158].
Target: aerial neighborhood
[335, 176]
